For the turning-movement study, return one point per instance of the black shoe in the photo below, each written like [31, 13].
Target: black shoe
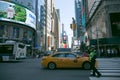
[99, 75]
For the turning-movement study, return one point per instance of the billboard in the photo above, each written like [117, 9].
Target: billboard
[18, 14]
[29, 4]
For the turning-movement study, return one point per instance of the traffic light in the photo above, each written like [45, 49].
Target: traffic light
[73, 26]
[64, 39]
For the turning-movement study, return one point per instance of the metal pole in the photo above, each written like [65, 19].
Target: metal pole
[45, 25]
[98, 41]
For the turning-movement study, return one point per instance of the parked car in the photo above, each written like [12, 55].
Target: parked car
[65, 60]
[47, 53]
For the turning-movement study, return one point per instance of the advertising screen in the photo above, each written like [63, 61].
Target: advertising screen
[29, 4]
[15, 13]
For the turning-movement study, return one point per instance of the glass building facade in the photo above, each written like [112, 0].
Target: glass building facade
[78, 17]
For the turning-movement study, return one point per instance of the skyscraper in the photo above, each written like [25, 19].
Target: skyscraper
[78, 18]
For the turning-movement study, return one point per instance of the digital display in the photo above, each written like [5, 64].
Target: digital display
[18, 14]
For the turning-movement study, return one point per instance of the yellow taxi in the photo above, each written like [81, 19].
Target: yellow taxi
[65, 60]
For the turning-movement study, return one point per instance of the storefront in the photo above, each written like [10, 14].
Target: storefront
[109, 47]
[16, 32]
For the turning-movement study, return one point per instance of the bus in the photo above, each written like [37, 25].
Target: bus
[12, 50]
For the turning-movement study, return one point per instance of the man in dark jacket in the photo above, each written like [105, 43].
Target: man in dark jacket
[92, 58]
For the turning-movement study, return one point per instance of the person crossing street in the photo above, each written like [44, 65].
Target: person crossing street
[92, 58]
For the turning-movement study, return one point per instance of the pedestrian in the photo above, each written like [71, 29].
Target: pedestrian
[92, 58]
[109, 52]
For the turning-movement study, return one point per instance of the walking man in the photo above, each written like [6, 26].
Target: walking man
[92, 58]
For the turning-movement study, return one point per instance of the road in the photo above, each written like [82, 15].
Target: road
[109, 68]
[30, 69]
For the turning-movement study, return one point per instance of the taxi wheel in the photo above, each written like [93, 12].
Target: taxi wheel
[51, 65]
[86, 66]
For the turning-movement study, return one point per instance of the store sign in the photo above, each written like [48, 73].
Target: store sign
[15, 13]
[64, 37]
[75, 42]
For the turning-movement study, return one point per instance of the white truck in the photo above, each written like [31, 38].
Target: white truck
[12, 50]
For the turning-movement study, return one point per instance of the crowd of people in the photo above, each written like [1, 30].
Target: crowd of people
[106, 51]
[109, 52]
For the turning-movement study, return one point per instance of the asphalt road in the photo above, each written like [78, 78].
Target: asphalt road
[30, 69]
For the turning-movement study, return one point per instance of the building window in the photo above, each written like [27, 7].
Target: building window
[15, 32]
[1, 30]
[115, 24]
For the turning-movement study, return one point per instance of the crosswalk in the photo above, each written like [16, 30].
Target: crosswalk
[109, 68]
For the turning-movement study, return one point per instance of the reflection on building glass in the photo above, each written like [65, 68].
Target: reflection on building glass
[15, 32]
[30, 35]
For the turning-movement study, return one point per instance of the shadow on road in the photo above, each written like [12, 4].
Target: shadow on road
[66, 69]
[17, 61]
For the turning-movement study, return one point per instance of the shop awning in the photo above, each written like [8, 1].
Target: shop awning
[113, 40]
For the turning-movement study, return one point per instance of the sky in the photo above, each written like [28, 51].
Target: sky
[67, 11]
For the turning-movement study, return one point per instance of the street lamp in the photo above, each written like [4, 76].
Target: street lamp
[46, 25]
[97, 40]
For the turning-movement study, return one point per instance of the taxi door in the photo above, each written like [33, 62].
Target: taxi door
[71, 61]
[59, 60]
